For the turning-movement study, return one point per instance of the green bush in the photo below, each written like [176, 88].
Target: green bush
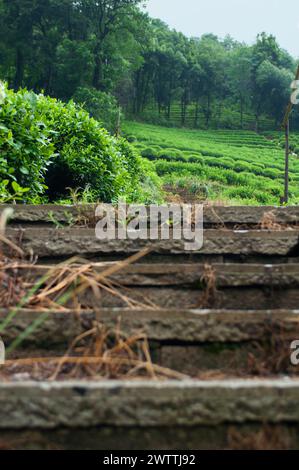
[131, 138]
[170, 153]
[44, 141]
[149, 152]
[100, 105]
[149, 190]
[242, 166]
[26, 150]
[164, 167]
[195, 159]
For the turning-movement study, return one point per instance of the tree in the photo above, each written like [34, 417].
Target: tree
[269, 78]
[104, 17]
[211, 58]
[16, 33]
[114, 47]
[274, 83]
[239, 73]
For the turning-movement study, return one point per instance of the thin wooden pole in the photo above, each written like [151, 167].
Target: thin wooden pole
[287, 154]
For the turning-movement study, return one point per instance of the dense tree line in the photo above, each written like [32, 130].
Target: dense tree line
[109, 52]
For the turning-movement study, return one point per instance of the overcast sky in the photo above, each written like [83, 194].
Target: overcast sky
[242, 19]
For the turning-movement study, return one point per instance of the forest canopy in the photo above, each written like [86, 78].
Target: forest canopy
[110, 53]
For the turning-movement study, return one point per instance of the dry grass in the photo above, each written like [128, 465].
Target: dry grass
[76, 283]
[266, 438]
[11, 289]
[99, 353]
[210, 293]
[268, 222]
[272, 355]
[4, 217]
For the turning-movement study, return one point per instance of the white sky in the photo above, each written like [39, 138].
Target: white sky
[242, 19]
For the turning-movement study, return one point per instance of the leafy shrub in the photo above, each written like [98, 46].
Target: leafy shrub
[164, 167]
[195, 159]
[271, 173]
[131, 138]
[169, 153]
[26, 149]
[241, 166]
[100, 105]
[149, 190]
[149, 152]
[43, 141]
[241, 193]
[217, 162]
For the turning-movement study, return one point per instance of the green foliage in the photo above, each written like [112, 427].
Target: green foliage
[149, 153]
[26, 150]
[43, 141]
[74, 66]
[149, 190]
[100, 105]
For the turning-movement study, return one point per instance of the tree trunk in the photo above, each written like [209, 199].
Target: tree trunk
[169, 109]
[219, 115]
[196, 116]
[242, 113]
[97, 81]
[48, 81]
[145, 93]
[257, 122]
[18, 80]
[208, 116]
[183, 111]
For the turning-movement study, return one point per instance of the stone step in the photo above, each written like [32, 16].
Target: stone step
[201, 414]
[213, 215]
[49, 242]
[187, 341]
[179, 275]
[236, 286]
[161, 325]
[228, 311]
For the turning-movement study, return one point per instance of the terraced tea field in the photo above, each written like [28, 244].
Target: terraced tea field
[239, 167]
[278, 137]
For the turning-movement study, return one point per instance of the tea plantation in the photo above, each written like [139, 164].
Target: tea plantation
[231, 166]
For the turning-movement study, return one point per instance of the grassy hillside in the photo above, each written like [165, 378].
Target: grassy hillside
[232, 166]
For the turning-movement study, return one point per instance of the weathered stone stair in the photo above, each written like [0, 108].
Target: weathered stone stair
[224, 317]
